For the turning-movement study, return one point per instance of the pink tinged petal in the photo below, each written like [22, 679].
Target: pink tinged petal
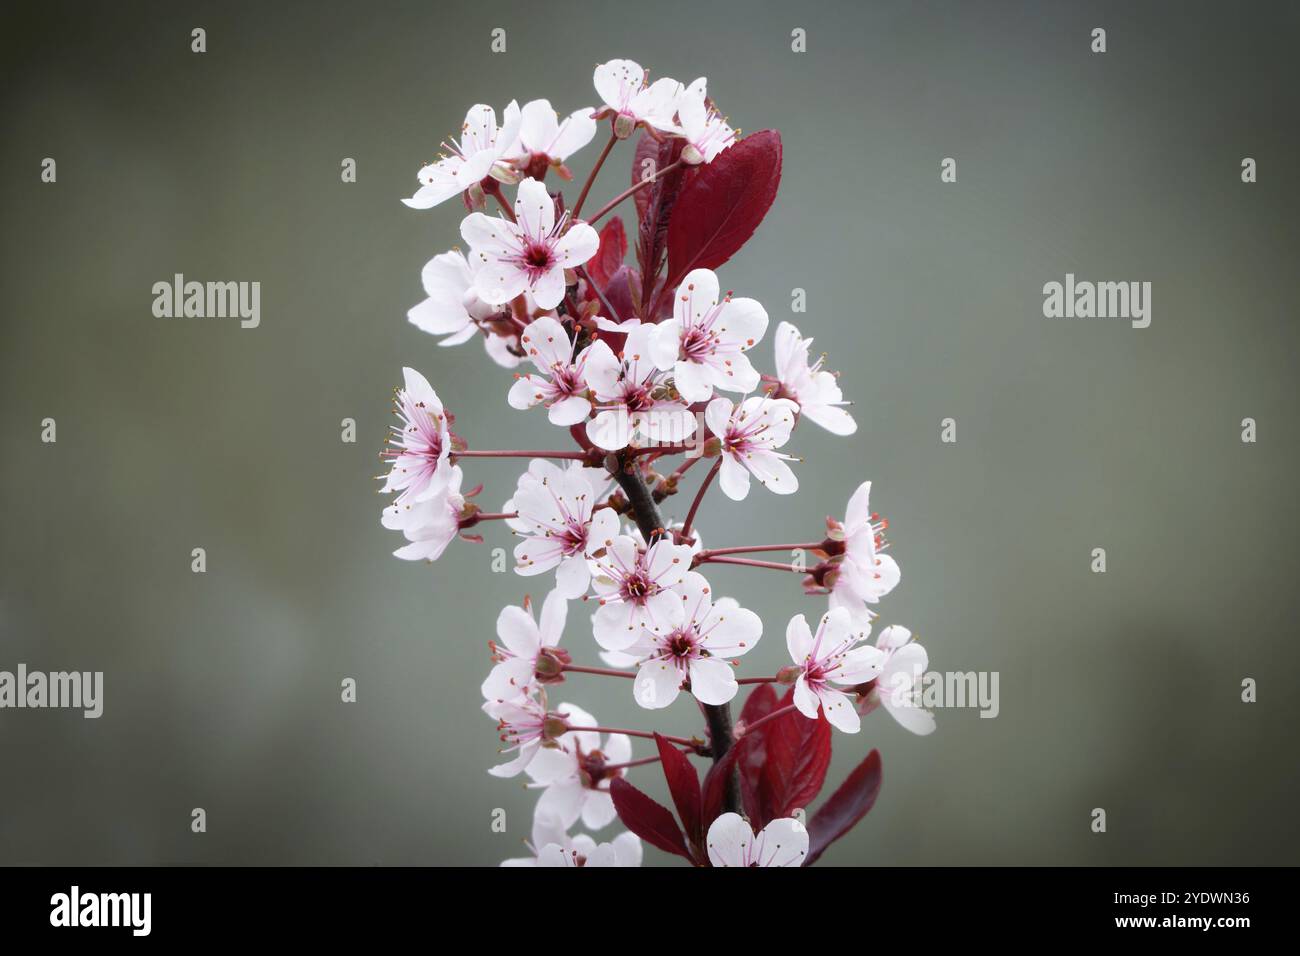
[657, 684]
[668, 563]
[517, 630]
[441, 181]
[659, 611]
[731, 631]
[573, 576]
[717, 415]
[523, 757]
[798, 639]
[738, 375]
[563, 800]
[538, 125]
[508, 680]
[548, 288]
[617, 748]
[458, 338]
[554, 855]
[915, 719]
[712, 680]
[666, 343]
[534, 209]
[610, 429]
[427, 550]
[859, 666]
[569, 411]
[839, 710]
[598, 810]
[612, 627]
[537, 556]
[498, 281]
[694, 382]
[805, 698]
[783, 842]
[489, 234]
[791, 354]
[743, 321]
[730, 840]
[893, 637]
[577, 245]
[697, 294]
[498, 347]
[835, 420]
[527, 392]
[616, 80]
[627, 849]
[696, 597]
[550, 627]
[552, 766]
[733, 478]
[602, 855]
[858, 513]
[576, 131]
[888, 574]
[603, 530]
[547, 344]
[601, 370]
[770, 469]
[836, 627]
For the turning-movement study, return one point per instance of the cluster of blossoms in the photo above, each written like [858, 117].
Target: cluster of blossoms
[638, 367]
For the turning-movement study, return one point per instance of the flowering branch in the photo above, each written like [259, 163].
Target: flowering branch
[628, 387]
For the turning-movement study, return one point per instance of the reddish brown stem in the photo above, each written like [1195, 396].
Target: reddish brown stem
[699, 496]
[591, 177]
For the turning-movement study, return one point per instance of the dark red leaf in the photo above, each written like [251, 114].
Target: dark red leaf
[684, 787]
[652, 235]
[623, 285]
[645, 162]
[646, 818]
[609, 257]
[845, 807]
[761, 702]
[721, 204]
[797, 755]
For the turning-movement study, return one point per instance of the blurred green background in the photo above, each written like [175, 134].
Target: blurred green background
[1119, 691]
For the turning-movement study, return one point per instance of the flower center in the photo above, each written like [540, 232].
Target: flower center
[538, 256]
[681, 645]
[697, 344]
[637, 586]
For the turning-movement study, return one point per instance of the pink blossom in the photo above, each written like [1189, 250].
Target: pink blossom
[529, 254]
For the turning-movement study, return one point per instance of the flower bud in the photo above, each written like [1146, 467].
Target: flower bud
[475, 198]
